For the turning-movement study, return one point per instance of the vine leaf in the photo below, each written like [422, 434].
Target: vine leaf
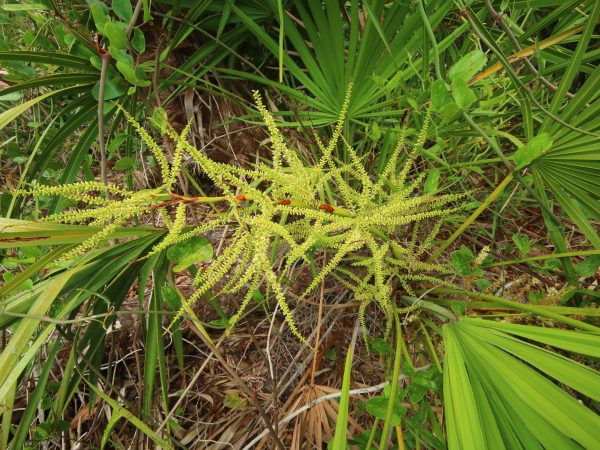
[186, 253]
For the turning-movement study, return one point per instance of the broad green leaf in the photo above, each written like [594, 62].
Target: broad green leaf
[121, 55]
[113, 88]
[140, 75]
[432, 181]
[116, 35]
[132, 75]
[513, 414]
[186, 253]
[124, 163]
[532, 150]
[233, 400]
[375, 133]
[522, 242]
[588, 267]
[127, 71]
[138, 42]
[461, 260]
[96, 62]
[465, 431]
[172, 297]
[159, 119]
[439, 95]
[563, 413]
[24, 7]
[575, 375]
[99, 11]
[573, 341]
[462, 93]
[377, 406]
[498, 368]
[380, 346]
[122, 9]
[467, 66]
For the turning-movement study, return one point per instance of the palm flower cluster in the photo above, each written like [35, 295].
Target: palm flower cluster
[287, 205]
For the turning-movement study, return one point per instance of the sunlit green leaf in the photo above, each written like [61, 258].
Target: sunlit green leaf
[138, 42]
[24, 7]
[461, 260]
[116, 35]
[113, 88]
[535, 148]
[377, 407]
[589, 266]
[467, 66]
[122, 8]
[432, 181]
[462, 93]
[233, 400]
[522, 242]
[488, 376]
[186, 253]
[439, 95]
[99, 11]
[124, 163]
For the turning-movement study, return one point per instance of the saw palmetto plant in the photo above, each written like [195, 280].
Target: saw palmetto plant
[176, 248]
[369, 226]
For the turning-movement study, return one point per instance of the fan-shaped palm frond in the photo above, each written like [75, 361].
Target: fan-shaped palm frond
[497, 395]
[365, 43]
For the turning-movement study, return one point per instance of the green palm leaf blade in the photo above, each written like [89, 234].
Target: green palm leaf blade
[98, 269]
[565, 370]
[465, 430]
[81, 79]
[19, 346]
[11, 114]
[53, 58]
[514, 433]
[330, 53]
[22, 233]
[493, 425]
[497, 367]
[570, 202]
[570, 169]
[524, 420]
[574, 341]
